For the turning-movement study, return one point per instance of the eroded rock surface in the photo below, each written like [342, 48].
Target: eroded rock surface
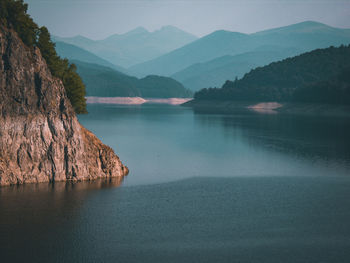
[40, 137]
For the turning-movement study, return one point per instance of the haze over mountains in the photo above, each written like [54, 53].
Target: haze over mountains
[102, 81]
[215, 72]
[205, 62]
[76, 53]
[136, 46]
[300, 37]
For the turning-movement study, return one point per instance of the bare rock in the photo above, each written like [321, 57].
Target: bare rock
[41, 139]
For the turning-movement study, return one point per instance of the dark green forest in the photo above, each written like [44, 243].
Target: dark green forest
[319, 76]
[13, 15]
[106, 82]
[154, 86]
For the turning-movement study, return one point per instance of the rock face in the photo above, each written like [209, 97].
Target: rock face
[41, 139]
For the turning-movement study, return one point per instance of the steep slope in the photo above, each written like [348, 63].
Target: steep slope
[105, 82]
[41, 139]
[135, 46]
[321, 76]
[304, 36]
[72, 52]
[215, 72]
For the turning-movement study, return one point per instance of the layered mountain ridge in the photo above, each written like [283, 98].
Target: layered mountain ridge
[196, 64]
[136, 46]
[103, 81]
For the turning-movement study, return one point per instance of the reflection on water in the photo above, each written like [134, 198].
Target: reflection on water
[162, 143]
[244, 187]
[33, 216]
[313, 137]
[255, 219]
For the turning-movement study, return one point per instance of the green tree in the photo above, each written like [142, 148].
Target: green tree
[13, 14]
[75, 89]
[47, 48]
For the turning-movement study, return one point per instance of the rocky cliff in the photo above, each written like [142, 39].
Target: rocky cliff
[41, 139]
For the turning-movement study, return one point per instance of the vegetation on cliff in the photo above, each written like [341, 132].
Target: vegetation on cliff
[13, 14]
[320, 76]
[41, 139]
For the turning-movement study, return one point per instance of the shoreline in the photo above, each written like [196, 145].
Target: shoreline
[227, 107]
[135, 100]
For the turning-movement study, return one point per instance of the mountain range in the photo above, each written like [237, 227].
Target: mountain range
[215, 72]
[72, 52]
[191, 63]
[205, 62]
[133, 47]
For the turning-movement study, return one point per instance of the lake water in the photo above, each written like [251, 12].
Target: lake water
[243, 187]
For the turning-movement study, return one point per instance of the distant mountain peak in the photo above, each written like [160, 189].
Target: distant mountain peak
[309, 24]
[137, 30]
[304, 26]
[291, 39]
[77, 40]
[169, 28]
[77, 37]
[224, 33]
[81, 37]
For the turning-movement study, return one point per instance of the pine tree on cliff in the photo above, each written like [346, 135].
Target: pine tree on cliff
[13, 14]
[62, 69]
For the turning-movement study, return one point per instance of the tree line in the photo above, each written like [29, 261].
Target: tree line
[13, 15]
[319, 76]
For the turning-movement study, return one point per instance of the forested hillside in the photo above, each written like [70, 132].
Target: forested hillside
[105, 82]
[321, 75]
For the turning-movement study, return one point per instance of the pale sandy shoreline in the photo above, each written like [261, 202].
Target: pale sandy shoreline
[228, 107]
[265, 107]
[135, 100]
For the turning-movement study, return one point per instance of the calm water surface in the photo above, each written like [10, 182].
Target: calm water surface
[244, 187]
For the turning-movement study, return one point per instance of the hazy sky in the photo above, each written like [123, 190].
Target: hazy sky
[99, 19]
